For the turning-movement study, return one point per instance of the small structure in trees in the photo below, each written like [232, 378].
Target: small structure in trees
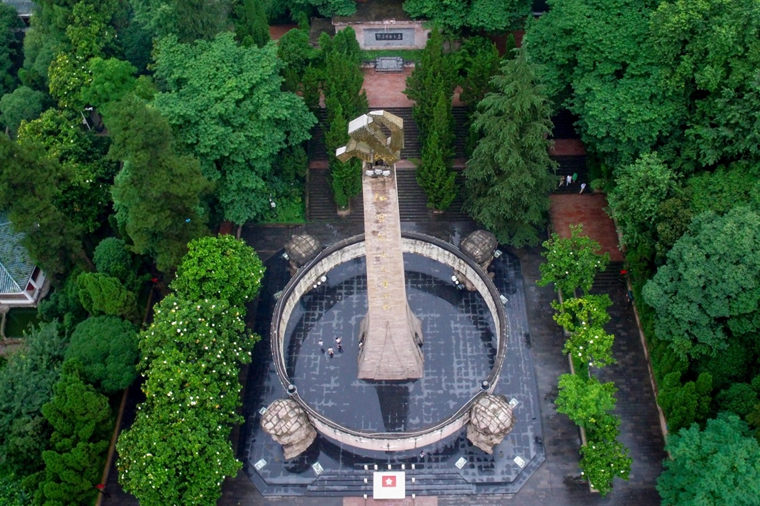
[21, 283]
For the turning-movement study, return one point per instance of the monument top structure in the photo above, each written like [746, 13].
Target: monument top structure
[383, 24]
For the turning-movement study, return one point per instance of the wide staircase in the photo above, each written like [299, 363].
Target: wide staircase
[569, 165]
[610, 279]
[412, 200]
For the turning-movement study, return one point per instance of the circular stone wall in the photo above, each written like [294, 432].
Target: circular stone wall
[387, 437]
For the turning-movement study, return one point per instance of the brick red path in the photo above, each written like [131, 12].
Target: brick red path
[588, 209]
[386, 89]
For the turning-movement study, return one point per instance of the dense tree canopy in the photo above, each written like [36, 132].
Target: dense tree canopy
[612, 82]
[81, 421]
[26, 383]
[106, 346]
[709, 291]
[157, 194]
[226, 107]
[719, 465]
[23, 104]
[510, 174]
[584, 400]
[30, 185]
[476, 15]
[188, 20]
[219, 267]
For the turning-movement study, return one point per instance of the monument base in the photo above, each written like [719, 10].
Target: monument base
[386, 362]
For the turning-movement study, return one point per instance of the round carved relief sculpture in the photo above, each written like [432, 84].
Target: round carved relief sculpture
[490, 421]
[289, 426]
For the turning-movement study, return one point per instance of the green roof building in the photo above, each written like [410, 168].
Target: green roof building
[21, 283]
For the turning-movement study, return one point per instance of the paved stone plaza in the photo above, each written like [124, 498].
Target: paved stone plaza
[459, 351]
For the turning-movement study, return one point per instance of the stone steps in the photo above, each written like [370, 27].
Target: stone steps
[412, 200]
[569, 165]
[352, 483]
[609, 279]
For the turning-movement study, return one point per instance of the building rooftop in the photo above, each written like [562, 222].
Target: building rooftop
[15, 265]
[23, 7]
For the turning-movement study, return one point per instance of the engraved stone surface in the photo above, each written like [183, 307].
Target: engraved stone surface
[288, 425]
[302, 248]
[390, 333]
[479, 246]
[490, 421]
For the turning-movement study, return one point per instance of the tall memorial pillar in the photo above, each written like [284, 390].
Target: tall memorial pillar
[390, 334]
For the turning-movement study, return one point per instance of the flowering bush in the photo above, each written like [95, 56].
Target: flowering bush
[572, 263]
[221, 268]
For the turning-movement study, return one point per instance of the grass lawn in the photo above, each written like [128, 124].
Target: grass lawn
[18, 320]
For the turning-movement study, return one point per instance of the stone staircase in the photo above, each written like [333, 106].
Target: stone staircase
[563, 125]
[609, 279]
[412, 200]
[351, 483]
[569, 165]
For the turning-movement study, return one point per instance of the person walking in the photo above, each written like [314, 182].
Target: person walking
[330, 352]
[575, 176]
[561, 180]
[321, 345]
[337, 344]
[583, 187]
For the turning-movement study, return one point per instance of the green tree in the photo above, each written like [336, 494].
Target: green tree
[709, 291]
[23, 104]
[346, 178]
[739, 398]
[157, 195]
[584, 318]
[101, 294]
[113, 258]
[110, 80]
[684, 404]
[85, 173]
[571, 262]
[603, 460]
[614, 84]
[723, 189]
[26, 383]
[81, 421]
[584, 400]
[252, 26]
[485, 15]
[716, 82]
[178, 450]
[106, 346]
[510, 174]
[188, 20]
[640, 189]
[433, 73]
[294, 50]
[434, 173]
[226, 107]
[719, 465]
[221, 268]
[10, 23]
[29, 186]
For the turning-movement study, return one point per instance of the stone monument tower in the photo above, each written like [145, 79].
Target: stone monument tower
[390, 334]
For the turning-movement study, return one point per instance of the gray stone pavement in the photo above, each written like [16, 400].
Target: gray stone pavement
[556, 482]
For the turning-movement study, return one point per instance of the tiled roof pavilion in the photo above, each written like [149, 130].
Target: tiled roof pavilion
[20, 282]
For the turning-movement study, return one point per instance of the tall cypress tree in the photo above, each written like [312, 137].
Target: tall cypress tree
[510, 174]
[253, 27]
[434, 172]
[434, 71]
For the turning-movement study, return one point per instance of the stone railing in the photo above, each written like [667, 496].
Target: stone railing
[350, 249]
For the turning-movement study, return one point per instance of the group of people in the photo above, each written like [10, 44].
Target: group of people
[568, 180]
[330, 351]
